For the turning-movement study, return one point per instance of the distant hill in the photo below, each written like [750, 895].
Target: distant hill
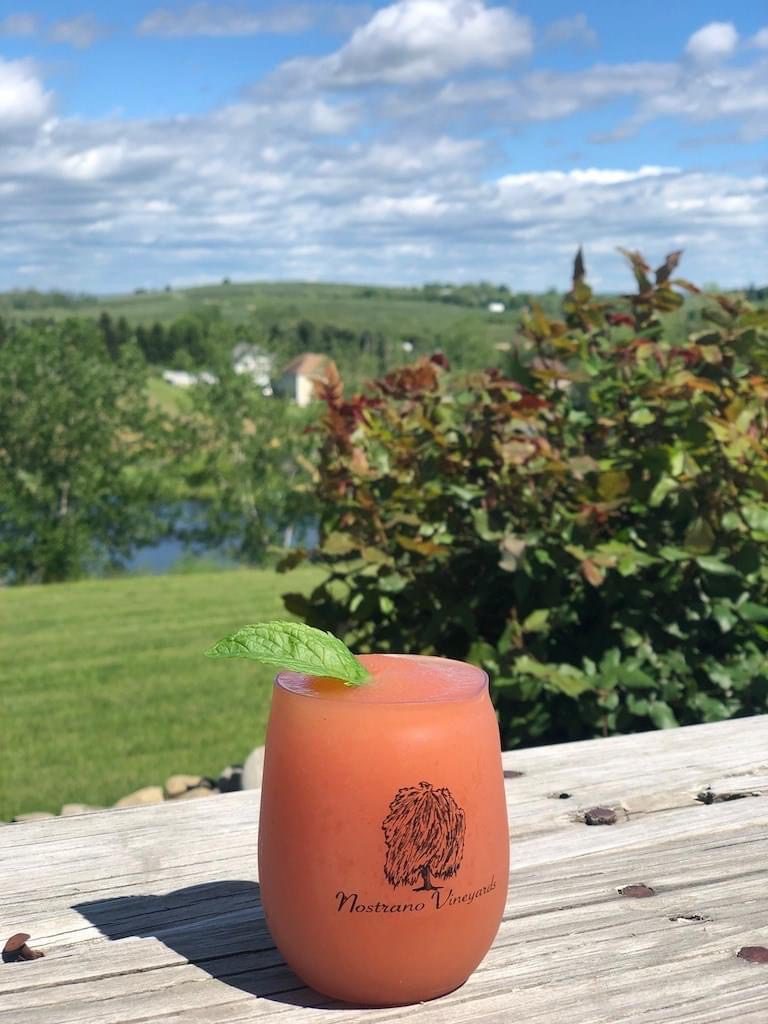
[361, 326]
[357, 307]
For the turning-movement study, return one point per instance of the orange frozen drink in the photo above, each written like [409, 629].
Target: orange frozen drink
[383, 843]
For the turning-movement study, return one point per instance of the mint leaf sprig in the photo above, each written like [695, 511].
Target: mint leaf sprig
[293, 646]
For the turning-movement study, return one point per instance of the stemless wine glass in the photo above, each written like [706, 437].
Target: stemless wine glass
[383, 842]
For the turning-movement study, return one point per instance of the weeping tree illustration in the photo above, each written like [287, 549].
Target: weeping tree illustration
[424, 833]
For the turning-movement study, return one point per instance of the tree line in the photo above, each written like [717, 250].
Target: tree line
[91, 468]
[198, 340]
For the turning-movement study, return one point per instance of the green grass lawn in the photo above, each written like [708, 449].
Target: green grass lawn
[105, 688]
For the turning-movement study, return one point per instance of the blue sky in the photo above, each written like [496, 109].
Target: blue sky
[151, 143]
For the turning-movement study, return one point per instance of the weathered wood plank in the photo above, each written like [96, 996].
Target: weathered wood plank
[175, 889]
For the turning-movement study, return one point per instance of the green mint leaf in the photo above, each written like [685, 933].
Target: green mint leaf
[293, 646]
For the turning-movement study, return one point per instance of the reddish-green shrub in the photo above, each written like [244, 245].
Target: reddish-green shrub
[589, 525]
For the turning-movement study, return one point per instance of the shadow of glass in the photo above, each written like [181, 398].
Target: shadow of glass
[217, 926]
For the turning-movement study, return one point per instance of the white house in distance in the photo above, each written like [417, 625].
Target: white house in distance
[246, 358]
[496, 307]
[297, 381]
[184, 379]
[256, 363]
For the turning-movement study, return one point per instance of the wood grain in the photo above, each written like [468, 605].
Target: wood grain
[152, 914]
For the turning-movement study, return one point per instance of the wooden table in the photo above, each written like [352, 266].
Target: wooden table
[153, 914]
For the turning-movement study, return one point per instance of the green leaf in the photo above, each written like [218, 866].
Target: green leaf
[613, 484]
[427, 548]
[642, 417]
[753, 612]
[677, 462]
[712, 710]
[637, 705]
[699, 536]
[293, 646]
[724, 616]
[570, 682]
[611, 659]
[662, 715]
[483, 654]
[674, 630]
[375, 556]
[337, 543]
[636, 679]
[608, 699]
[465, 494]
[580, 465]
[721, 677]
[664, 487]
[500, 682]
[733, 521]
[392, 583]
[756, 517]
[631, 637]
[672, 554]
[536, 621]
[713, 565]
[482, 528]
[565, 678]
[576, 551]
[628, 558]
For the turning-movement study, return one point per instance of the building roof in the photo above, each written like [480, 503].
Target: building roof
[308, 364]
[246, 348]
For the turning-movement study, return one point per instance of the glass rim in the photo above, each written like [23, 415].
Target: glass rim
[466, 698]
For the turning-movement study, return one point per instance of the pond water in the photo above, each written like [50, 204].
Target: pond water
[171, 552]
[163, 555]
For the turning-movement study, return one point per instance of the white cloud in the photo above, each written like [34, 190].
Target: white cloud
[415, 41]
[313, 116]
[225, 19]
[687, 91]
[209, 19]
[575, 29]
[713, 42]
[281, 184]
[80, 32]
[21, 24]
[736, 94]
[760, 39]
[537, 95]
[254, 190]
[547, 180]
[23, 100]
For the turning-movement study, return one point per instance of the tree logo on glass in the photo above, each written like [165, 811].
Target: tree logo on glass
[424, 833]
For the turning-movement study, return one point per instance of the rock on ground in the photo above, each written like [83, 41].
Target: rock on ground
[176, 785]
[70, 809]
[147, 795]
[253, 769]
[231, 779]
[197, 791]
